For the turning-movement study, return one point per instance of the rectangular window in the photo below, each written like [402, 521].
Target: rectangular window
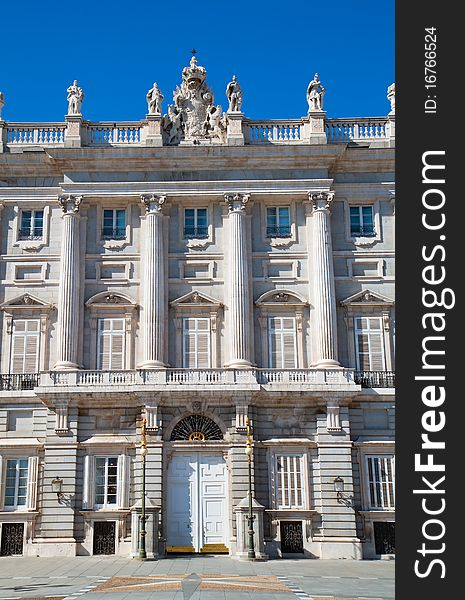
[195, 223]
[196, 343]
[25, 346]
[361, 221]
[114, 224]
[278, 223]
[32, 225]
[282, 348]
[110, 344]
[16, 482]
[106, 481]
[289, 483]
[369, 346]
[381, 481]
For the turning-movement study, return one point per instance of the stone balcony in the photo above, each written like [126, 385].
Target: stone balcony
[285, 380]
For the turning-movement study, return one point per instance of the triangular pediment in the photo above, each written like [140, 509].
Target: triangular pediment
[26, 301]
[196, 298]
[367, 297]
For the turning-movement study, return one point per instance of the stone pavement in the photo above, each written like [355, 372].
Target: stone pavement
[193, 578]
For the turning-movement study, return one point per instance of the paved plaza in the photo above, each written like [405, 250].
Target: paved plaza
[193, 578]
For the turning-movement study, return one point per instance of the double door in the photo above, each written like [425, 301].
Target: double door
[196, 511]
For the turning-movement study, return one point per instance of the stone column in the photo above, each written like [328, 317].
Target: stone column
[154, 310]
[239, 284]
[323, 278]
[69, 308]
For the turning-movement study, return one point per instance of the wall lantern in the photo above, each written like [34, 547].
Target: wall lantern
[57, 486]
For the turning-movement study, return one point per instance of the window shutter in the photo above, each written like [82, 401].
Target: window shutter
[289, 481]
[123, 480]
[31, 501]
[282, 343]
[111, 344]
[196, 343]
[369, 343]
[25, 351]
[89, 483]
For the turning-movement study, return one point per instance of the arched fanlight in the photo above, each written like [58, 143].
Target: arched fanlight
[196, 428]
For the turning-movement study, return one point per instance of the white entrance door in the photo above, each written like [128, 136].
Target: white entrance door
[196, 503]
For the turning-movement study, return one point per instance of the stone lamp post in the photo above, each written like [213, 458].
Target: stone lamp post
[250, 517]
[143, 456]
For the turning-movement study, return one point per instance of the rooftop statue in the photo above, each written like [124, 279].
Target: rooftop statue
[75, 98]
[391, 96]
[193, 116]
[154, 100]
[234, 95]
[315, 93]
[2, 103]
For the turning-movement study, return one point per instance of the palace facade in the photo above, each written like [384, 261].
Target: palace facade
[197, 269]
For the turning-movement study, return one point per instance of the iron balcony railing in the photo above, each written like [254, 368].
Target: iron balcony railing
[113, 234]
[28, 234]
[375, 379]
[363, 231]
[19, 381]
[196, 232]
[282, 231]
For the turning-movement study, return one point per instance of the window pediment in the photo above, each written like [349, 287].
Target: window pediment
[282, 298]
[110, 299]
[26, 301]
[196, 299]
[367, 298]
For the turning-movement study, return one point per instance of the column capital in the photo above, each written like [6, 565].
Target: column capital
[321, 201]
[153, 203]
[69, 204]
[236, 202]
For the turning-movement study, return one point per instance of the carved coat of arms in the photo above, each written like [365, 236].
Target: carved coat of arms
[194, 117]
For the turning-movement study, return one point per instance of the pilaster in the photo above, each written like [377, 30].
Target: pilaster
[69, 308]
[234, 133]
[324, 292]
[152, 133]
[240, 332]
[153, 318]
[74, 131]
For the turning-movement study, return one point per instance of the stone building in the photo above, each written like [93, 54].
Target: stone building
[197, 269]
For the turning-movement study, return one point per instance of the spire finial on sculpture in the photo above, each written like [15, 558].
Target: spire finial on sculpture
[75, 98]
[315, 93]
[234, 95]
[2, 103]
[154, 100]
[391, 96]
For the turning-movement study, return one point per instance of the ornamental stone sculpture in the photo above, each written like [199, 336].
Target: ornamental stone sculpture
[315, 93]
[193, 118]
[2, 103]
[154, 100]
[75, 98]
[391, 96]
[234, 95]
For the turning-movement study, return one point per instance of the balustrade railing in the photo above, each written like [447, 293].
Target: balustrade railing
[19, 381]
[375, 379]
[268, 377]
[43, 134]
[113, 134]
[271, 132]
[363, 129]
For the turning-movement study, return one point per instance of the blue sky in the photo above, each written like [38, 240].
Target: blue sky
[117, 50]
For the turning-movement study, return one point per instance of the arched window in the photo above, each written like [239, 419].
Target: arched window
[196, 428]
